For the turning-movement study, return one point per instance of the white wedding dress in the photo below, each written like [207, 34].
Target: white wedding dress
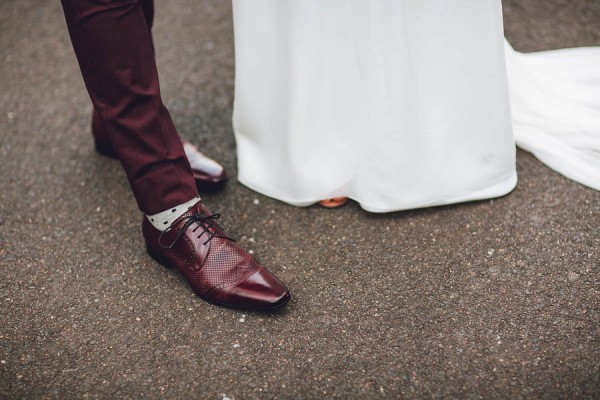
[402, 104]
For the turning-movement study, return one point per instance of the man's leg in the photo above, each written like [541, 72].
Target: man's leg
[113, 45]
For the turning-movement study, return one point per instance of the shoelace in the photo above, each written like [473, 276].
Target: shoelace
[204, 221]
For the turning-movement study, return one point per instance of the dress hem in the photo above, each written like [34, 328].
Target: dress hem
[496, 190]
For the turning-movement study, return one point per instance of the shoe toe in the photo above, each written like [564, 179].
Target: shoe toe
[261, 291]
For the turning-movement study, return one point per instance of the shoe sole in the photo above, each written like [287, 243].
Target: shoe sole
[162, 261]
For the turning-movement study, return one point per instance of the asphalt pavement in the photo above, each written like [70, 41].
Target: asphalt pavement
[490, 299]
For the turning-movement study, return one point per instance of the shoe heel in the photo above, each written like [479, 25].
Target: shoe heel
[158, 258]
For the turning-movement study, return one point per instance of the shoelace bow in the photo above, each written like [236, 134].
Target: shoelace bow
[205, 221]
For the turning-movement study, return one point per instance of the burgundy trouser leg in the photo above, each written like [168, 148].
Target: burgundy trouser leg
[113, 45]
[99, 124]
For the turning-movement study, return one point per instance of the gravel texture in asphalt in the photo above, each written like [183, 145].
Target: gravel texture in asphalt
[491, 299]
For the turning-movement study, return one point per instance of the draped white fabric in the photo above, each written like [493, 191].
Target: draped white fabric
[555, 101]
[401, 104]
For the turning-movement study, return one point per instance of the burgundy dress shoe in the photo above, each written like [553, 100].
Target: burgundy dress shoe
[218, 270]
[208, 173]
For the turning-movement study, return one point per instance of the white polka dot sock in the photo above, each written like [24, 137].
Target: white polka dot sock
[164, 219]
